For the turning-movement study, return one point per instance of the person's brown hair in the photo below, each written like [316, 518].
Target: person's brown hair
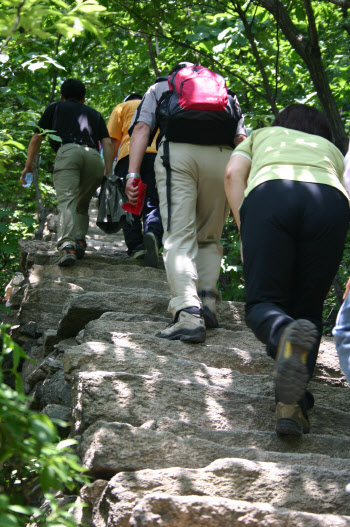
[305, 119]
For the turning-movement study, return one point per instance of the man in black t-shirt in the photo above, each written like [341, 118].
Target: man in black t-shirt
[78, 168]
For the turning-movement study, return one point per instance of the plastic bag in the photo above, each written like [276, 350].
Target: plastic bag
[111, 217]
[137, 209]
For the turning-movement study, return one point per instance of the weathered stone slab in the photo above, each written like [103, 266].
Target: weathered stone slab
[335, 447]
[296, 487]
[87, 270]
[235, 348]
[136, 399]
[108, 448]
[163, 510]
[44, 316]
[96, 356]
[80, 309]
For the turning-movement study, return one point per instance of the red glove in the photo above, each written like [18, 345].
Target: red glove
[137, 209]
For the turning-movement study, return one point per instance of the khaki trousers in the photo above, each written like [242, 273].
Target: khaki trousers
[192, 250]
[78, 172]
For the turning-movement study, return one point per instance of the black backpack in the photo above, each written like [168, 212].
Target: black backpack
[198, 108]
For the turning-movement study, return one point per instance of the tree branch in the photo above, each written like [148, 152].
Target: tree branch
[151, 53]
[340, 3]
[312, 29]
[291, 32]
[255, 50]
[15, 25]
[161, 35]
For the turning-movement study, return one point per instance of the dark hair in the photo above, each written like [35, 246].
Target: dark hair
[133, 97]
[181, 65]
[305, 119]
[73, 89]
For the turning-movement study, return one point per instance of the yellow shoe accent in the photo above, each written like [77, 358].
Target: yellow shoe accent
[287, 350]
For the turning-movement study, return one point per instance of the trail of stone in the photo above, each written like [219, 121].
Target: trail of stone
[173, 434]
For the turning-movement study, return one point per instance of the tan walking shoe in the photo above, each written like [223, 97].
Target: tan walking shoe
[291, 374]
[187, 327]
[291, 420]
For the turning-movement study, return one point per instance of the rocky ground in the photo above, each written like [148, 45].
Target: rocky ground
[173, 434]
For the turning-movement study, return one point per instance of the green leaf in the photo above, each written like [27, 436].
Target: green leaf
[48, 479]
[42, 428]
[54, 137]
[9, 520]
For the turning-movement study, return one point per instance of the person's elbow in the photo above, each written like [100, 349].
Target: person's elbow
[238, 139]
[142, 131]
[230, 172]
[237, 170]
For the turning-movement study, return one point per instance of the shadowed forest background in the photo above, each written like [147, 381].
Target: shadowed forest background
[271, 52]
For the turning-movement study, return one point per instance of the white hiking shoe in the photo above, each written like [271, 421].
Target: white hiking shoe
[187, 327]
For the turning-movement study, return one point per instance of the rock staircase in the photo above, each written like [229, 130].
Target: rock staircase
[173, 434]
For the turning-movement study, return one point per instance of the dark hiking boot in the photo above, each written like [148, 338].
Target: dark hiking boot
[291, 420]
[151, 247]
[209, 317]
[186, 327]
[291, 375]
[138, 253]
[80, 248]
[67, 256]
[209, 300]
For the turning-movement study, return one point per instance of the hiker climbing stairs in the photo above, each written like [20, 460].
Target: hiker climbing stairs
[173, 434]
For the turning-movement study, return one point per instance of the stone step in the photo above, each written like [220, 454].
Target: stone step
[136, 399]
[43, 316]
[143, 362]
[164, 510]
[80, 309]
[332, 446]
[109, 272]
[57, 291]
[108, 448]
[37, 252]
[235, 348]
[129, 358]
[106, 274]
[297, 487]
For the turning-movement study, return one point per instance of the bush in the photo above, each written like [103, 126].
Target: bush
[34, 464]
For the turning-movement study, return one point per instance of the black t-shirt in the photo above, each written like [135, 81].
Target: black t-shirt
[74, 123]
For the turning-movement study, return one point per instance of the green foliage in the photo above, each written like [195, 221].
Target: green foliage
[231, 281]
[34, 464]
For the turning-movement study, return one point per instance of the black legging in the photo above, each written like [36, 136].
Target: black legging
[293, 236]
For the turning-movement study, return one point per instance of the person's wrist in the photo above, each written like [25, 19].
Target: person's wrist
[133, 174]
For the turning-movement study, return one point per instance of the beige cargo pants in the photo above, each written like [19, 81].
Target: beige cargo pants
[192, 250]
[78, 172]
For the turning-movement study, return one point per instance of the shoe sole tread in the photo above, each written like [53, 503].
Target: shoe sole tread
[291, 375]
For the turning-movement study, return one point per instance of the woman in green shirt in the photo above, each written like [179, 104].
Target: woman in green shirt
[284, 187]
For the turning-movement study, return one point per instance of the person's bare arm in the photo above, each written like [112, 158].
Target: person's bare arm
[33, 151]
[138, 144]
[116, 144]
[108, 154]
[236, 176]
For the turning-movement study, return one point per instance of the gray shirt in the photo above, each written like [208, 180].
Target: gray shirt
[146, 112]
